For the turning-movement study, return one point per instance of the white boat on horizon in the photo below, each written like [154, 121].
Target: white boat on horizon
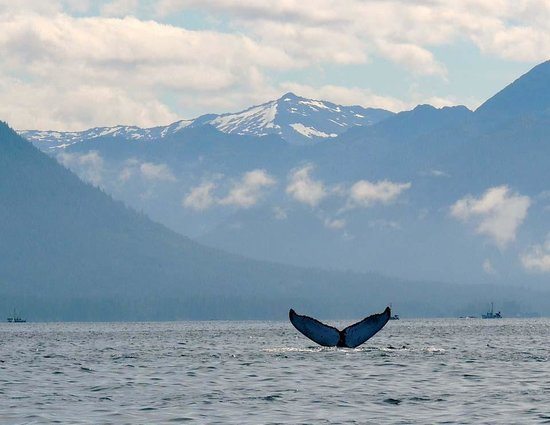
[491, 314]
[15, 318]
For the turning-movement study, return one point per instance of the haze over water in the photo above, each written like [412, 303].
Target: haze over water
[413, 371]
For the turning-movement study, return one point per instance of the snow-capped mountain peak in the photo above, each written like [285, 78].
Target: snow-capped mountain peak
[296, 119]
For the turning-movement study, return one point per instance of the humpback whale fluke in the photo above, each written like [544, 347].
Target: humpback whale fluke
[328, 336]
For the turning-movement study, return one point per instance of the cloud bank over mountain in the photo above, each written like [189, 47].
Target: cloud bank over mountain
[150, 63]
[498, 213]
[537, 258]
[244, 192]
[303, 188]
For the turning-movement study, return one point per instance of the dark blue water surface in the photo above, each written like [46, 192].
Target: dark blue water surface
[413, 371]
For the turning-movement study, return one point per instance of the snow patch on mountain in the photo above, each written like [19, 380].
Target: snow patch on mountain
[253, 121]
[310, 132]
[313, 104]
[60, 139]
[175, 127]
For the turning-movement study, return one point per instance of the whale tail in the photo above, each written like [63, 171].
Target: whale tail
[328, 336]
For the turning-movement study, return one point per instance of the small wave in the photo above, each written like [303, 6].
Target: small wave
[420, 398]
[271, 397]
[296, 350]
[472, 377]
[392, 348]
[435, 350]
[124, 356]
[99, 389]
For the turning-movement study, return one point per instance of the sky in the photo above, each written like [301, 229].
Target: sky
[76, 64]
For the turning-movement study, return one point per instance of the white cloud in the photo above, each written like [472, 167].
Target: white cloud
[280, 213]
[248, 191]
[244, 193]
[488, 267]
[75, 106]
[366, 194]
[129, 169]
[125, 174]
[200, 198]
[416, 58]
[89, 166]
[435, 173]
[147, 170]
[344, 32]
[498, 213]
[335, 224]
[349, 96]
[72, 73]
[152, 171]
[537, 257]
[349, 31]
[303, 188]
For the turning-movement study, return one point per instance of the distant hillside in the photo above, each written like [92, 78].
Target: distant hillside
[69, 252]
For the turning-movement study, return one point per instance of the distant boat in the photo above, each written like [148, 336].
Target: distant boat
[15, 318]
[491, 314]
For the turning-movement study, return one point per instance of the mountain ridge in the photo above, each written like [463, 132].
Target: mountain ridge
[295, 119]
[527, 94]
